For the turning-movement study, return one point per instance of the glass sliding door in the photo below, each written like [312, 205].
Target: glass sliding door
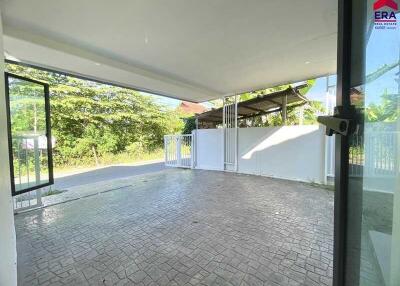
[367, 210]
[29, 134]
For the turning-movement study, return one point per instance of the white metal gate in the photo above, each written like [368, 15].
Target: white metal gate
[230, 126]
[178, 150]
[29, 200]
[23, 176]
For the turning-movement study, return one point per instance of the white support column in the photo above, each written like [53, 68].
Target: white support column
[236, 135]
[224, 131]
[8, 250]
[193, 149]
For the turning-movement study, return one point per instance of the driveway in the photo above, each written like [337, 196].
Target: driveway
[106, 174]
[182, 227]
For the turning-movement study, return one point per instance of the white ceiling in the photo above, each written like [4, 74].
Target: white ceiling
[188, 49]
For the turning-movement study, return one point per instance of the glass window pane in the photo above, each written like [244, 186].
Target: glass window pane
[373, 233]
[28, 134]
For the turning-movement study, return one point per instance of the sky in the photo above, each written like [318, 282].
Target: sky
[382, 48]
[318, 91]
[170, 102]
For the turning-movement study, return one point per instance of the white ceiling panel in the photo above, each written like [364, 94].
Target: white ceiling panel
[188, 49]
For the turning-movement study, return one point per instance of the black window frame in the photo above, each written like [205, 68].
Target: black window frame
[46, 90]
[342, 143]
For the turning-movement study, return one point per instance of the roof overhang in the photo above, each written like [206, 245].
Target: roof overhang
[187, 49]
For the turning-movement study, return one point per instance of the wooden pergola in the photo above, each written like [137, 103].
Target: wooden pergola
[261, 105]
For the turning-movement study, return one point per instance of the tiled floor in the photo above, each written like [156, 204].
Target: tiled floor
[182, 227]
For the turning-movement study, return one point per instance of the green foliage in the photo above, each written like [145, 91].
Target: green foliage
[190, 125]
[135, 149]
[91, 120]
[251, 95]
[310, 84]
[52, 192]
[386, 111]
[311, 109]
[27, 106]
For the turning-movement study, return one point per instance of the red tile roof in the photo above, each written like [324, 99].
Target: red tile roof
[190, 107]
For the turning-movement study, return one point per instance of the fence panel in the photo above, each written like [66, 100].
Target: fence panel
[230, 125]
[178, 151]
[27, 171]
[379, 152]
[370, 155]
[29, 200]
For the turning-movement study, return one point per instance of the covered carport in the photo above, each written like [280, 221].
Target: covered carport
[191, 50]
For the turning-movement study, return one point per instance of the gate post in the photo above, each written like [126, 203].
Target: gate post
[230, 132]
[193, 149]
[166, 149]
[178, 151]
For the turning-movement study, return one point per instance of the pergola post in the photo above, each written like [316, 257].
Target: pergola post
[301, 116]
[284, 109]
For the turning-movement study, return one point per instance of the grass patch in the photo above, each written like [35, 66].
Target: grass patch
[322, 186]
[109, 159]
[52, 192]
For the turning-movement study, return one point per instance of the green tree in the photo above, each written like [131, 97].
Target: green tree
[386, 111]
[190, 125]
[90, 120]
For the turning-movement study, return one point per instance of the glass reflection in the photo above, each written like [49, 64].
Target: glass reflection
[374, 183]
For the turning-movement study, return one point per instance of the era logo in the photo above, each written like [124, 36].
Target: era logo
[385, 14]
[385, 3]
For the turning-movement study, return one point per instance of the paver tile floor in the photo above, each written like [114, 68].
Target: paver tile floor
[182, 227]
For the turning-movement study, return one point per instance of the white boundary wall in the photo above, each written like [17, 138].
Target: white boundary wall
[209, 149]
[287, 152]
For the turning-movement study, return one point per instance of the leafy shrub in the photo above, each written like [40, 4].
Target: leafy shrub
[91, 121]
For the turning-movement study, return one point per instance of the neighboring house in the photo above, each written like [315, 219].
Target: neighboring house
[191, 108]
[198, 51]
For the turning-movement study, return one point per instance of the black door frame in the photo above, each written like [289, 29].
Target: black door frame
[48, 133]
[342, 142]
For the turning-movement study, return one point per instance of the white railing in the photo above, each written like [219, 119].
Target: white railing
[370, 155]
[230, 125]
[379, 154]
[27, 171]
[330, 156]
[29, 200]
[178, 151]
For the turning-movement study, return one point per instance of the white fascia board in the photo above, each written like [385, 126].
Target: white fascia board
[43, 52]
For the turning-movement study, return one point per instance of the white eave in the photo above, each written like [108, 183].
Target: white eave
[188, 49]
